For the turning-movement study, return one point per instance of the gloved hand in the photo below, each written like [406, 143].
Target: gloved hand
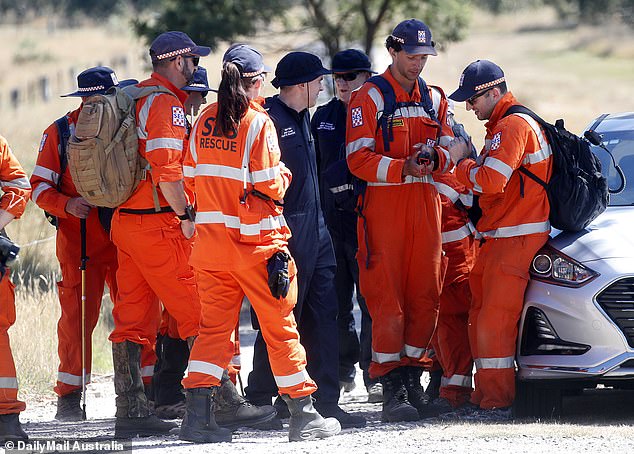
[279, 281]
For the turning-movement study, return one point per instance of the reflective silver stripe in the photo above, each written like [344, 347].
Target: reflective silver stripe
[8, 382]
[506, 362]
[467, 199]
[70, 379]
[286, 381]
[382, 168]
[259, 176]
[456, 235]
[343, 187]
[233, 222]
[189, 171]
[164, 142]
[375, 96]
[411, 112]
[544, 152]
[254, 130]
[472, 175]
[236, 361]
[447, 191]
[47, 174]
[40, 188]
[408, 180]
[381, 358]
[463, 381]
[487, 144]
[518, 230]
[143, 115]
[413, 352]
[436, 97]
[358, 144]
[147, 371]
[215, 170]
[447, 160]
[499, 166]
[206, 368]
[22, 183]
[192, 143]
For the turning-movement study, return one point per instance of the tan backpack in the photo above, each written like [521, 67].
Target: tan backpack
[103, 156]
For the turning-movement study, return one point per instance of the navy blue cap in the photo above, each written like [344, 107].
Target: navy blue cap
[93, 81]
[296, 68]
[248, 60]
[199, 81]
[478, 76]
[127, 82]
[351, 60]
[415, 37]
[173, 43]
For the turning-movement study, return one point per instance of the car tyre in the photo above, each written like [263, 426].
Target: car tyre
[536, 400]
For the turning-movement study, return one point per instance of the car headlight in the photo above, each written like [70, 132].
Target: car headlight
[554, 267]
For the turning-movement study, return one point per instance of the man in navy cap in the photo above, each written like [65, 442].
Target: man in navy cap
[395, 132]
[299, 77]
[514, 222]
[55, 193]
[152, 231]
[350, 69]
[197, 91]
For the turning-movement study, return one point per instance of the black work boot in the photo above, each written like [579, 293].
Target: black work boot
[69, 407]
[199, 424]
[11, 429]
[172, 357]
[134, 417]
[396, 406]
[433, 388]
[233, 411]
[306, 423]
[415, 394]
[333, 410]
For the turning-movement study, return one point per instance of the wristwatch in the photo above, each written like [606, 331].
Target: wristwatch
[189, 215]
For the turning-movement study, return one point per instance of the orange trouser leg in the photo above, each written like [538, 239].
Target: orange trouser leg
[153, 264]
[9, 402]
[221, 298]
[452, 343]
[402, 283]
[499, 279]
[234, 365]
[69, 325]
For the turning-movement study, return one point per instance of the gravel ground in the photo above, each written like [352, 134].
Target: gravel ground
[598, 421]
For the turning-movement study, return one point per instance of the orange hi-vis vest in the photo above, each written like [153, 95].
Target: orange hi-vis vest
[512, 204]
[237, 227]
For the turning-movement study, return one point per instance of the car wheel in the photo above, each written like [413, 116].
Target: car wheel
[537, 400]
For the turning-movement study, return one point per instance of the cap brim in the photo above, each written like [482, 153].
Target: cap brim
[349, 70]
[420, 50]
[201, 51]
[461, 94]
[188, 88]
[278, 82]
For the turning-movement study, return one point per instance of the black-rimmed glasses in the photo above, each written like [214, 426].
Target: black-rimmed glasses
[473, 99]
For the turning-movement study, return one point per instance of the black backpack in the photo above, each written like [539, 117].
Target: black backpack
[577, 191]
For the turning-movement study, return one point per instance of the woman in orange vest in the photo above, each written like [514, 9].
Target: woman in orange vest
[233, 166]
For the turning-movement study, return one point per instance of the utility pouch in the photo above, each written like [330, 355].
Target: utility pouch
[279, 280]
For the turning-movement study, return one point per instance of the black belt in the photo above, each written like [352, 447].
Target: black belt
[145, 210]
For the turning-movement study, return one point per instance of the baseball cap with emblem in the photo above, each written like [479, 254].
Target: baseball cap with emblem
[199, 82]
[248, 60]
[415, 37]
[93, 81]
[351, 60]
[478, 76]
[297, 68]
[174, 43]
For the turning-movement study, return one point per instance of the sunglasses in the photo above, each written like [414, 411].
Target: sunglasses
[473, 99]
[194, 58]
[348, 77]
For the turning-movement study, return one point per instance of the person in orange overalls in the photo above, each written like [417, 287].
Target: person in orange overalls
[452, 339]
[233, 165]
[514, 225]
[54, 192]
[16, 190]
[399, 229]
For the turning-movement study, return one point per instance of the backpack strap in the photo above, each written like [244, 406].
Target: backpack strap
[63, 131]
[518, 109]
[390, 106]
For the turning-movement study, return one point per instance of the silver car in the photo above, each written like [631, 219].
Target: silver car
[577, 326]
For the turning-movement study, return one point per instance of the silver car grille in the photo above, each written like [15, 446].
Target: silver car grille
[618, 303]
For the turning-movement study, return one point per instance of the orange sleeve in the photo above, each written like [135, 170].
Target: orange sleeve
[15, 184]
[363, 158]
[165, 139]
[270, 175]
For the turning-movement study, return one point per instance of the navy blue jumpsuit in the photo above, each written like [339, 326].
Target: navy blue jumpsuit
[311, 247]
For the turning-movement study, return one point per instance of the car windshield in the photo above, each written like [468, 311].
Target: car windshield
[621, 145]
